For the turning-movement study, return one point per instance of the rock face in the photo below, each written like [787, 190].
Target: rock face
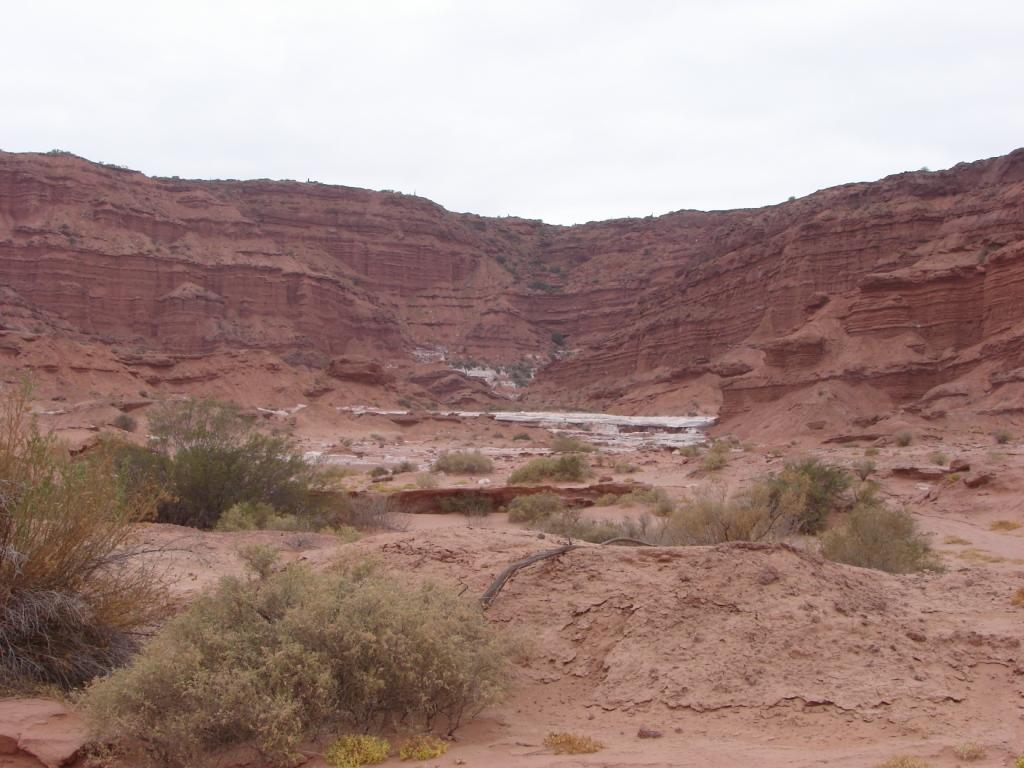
[39, 733]
[870, 294]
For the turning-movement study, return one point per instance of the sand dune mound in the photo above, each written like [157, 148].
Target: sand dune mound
[736, 626]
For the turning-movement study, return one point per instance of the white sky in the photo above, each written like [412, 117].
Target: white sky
[566, 110]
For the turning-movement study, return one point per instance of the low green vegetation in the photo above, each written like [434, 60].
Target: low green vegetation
[534, 506]
[562, 743]
[716, 457]
[463, 463]
[567, 444]
[422, 747]
[274, 659]
[470, 504]
[567, 468]
[357, 750]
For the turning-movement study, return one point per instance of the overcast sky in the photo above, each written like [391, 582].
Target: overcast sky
[563, 110]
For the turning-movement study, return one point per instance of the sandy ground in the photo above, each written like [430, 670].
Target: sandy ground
[737, 655]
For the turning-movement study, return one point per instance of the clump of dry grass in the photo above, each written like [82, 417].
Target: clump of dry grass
[463, 463]
[959, 541]
[969, 751]
[1018, 597]
[563, 743]
[1004, 525]
[74, 590]
[904, 761]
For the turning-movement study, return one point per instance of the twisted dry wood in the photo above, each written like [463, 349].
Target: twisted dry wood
[499, 582]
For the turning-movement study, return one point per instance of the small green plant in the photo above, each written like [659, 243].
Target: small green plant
[463, 463]
[259, 559]
[938, 458]
[379, 472]
[863, 468]
[624, 468]
[606, 500]
[903, 439]
[403, 467]
[357, 750]
[1018, 597]
[124, 422]
[562, 743]
[1019, 763]
[521, 436]
[689, 451]
[422, 747]
[1002, 436]
[566, 468]
[716, 457]
[426, 481]
[534, 506]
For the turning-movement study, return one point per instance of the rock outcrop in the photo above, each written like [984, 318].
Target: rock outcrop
[871, 293]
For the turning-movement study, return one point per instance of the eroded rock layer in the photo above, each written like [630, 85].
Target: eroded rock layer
[867, 295]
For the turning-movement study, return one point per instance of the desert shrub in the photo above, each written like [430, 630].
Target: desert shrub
[422, 747]
[470, 504]
[903, 439]
[1002, 436]
[373, 512]
[568, 444]
[938, 458]
[562, 743]
[73, 592]
[463, 463]
[657, 498]
[820, 487]
[869, 452]
[572, 525]
[710, 516]
[256, 515]
[863, 468]
[402, 467]
[567, 468]
[260, 559]
[624, 468]
[208, 458]
[1019, 762]
[270, 661]
[124, 422]
[534, 506]
[1018, 597]
[355, 751]
[1003, 525]
[689, 451]
[379, 472]
[876, 536]
[969, 751]
[606, 500]
[716, 457]
[521, 436]
[426, 481]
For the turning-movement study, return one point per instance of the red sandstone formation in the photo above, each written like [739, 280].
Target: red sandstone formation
[843, 306]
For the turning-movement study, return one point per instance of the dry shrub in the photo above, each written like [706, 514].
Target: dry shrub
[656, 498]
[568, 444]
[463, 463]
[534, 506]
[1018, 597]
[710, 516]
[270, 661]
[1004, 525]
[903, 439]
[73, 589]
[124, 422]
[357, 750]
[373, 512]
[422, 747]
[717, 456]
[864, 468]
[875, 536]
[904, 761]
[1002, 436]
[568, 468]
[562, 743]
[426, 481]
[469, 504]
[969, 751]
[571, 524]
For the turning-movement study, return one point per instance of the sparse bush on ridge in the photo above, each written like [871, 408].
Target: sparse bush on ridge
[270, 661]
[463, 463]
[72, 593]
[876, 536]
[534, 506]
[567, 468]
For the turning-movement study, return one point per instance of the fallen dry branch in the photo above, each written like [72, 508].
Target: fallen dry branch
[499, 582]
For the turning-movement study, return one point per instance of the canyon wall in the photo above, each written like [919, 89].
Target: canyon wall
[890, 288]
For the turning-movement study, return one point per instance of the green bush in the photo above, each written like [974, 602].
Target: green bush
[379, 472]
[903, 439]
[624, 468]
[73, 591]
[710, 516]
[521, 436]
[657, 498]
[534, 506]
[463, 463]
[402, 467]
[208, 458]
[820, 485]
[571, 524]
[875, 536]
[470, 504]
[717, 456]
[568, 444]
[271, 661]
[357, 750]
[568, 468]
[863, 468]
[124, 422]
[938, 458]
